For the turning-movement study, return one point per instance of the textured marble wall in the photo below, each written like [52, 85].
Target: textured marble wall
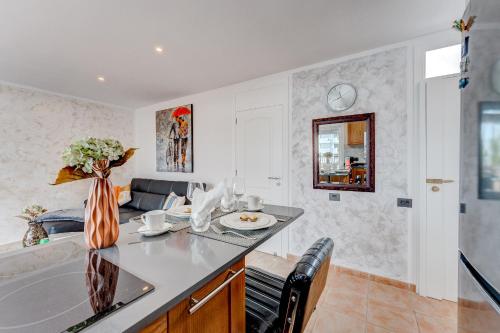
[369, 231]
[35, 127]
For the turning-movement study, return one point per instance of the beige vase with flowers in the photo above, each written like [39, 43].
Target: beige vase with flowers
[101, 212]
[94, 158]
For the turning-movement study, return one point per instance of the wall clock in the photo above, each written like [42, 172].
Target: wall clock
[342, 96]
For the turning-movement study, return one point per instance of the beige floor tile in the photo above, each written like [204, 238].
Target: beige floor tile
[434, 308]
[273, 264]
[392, 318]
[334, 322]
[346, 302]
[389, 295]
[281, 270]
[376, 329]
[324, 295]
[349, 283]
[331, 275]
[478, 320]
[428, 324]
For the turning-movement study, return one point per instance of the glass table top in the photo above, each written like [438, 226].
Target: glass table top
[62, 288]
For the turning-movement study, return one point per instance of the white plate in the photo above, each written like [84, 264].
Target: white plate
[233, 221]
[148, 232]
[179, 211]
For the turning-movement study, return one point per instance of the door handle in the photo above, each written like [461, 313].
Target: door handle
[274, 178]
[438, 181]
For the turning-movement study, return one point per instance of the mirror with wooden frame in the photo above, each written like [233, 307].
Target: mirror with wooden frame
[344, 153]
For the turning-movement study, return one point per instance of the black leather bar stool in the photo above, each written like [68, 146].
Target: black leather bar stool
[274, 304]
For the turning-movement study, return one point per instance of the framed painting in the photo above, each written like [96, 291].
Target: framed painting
[174, 139]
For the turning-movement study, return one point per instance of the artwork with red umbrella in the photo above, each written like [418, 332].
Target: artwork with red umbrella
[174, 139]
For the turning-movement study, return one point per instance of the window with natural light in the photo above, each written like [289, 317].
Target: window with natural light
[444, 61]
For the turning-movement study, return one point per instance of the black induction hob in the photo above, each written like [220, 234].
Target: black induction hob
[41, 294]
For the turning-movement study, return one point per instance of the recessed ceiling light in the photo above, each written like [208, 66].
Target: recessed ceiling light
[159, 49]
[101, 79]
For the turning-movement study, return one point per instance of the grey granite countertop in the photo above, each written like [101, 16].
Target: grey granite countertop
[177, 264]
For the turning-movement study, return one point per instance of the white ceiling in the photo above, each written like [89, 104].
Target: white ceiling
[63, 45]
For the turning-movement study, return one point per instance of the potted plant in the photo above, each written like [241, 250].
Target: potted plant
[94, 158]
[35, 231]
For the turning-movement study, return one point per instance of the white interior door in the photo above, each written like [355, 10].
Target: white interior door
[442, 192]
[260, 156]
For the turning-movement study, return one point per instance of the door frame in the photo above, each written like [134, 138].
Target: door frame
[263, 93]
[419, 237]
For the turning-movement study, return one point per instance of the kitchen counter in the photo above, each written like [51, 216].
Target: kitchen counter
[177, 264]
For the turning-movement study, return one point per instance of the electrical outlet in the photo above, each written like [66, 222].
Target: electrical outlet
[463, 208]
[404, 202]
[334, 196]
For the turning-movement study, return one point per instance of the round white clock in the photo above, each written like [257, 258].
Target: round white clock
[342, 96]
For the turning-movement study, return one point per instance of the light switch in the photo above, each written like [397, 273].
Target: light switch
[404, 202]
[334, 196]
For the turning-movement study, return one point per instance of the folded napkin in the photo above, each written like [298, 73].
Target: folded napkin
[227, 201]
[204, 202]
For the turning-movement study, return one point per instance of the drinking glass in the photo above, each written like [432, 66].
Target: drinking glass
[200, 222]
[190, 189]
[238, 190]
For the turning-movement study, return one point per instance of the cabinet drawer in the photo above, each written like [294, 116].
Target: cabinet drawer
[218, 306]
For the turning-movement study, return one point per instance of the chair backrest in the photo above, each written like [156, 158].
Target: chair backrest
[304, 286]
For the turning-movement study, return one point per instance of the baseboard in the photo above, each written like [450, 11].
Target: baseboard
[372, 277]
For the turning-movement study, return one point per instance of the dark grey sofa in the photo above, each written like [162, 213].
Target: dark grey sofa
[147, 194]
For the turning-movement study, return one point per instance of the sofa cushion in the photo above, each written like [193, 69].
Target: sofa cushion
[159, 186]
[146, 201]
[72, 220]
[173, 200]
[77, 215]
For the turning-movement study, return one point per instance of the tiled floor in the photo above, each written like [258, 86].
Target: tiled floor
[351, 304]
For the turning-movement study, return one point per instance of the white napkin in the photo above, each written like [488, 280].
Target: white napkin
[204, 202]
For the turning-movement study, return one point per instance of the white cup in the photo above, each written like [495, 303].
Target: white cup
[254, 202]
[154, 220]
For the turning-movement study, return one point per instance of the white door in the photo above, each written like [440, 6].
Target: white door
[260, 156]
[442, 193]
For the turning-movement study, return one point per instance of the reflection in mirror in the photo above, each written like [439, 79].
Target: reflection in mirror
[342, 156]
[489, 159]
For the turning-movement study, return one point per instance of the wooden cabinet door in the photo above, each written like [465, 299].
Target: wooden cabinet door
[356, 133]
[158, 326]
[223, 313]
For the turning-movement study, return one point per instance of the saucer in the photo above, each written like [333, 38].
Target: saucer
[258, 209]
[154, 232]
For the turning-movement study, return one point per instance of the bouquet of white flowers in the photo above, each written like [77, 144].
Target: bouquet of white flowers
[92, 157]
[83, 153]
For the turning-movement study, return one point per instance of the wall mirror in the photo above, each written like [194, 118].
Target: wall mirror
[344, 153]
